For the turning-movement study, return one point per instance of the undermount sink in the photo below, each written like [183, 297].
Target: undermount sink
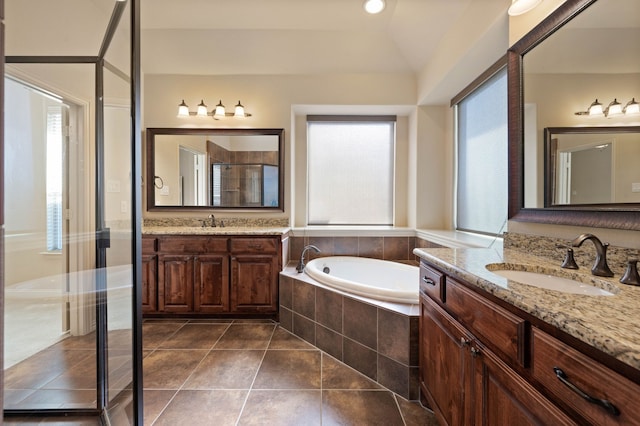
[547, 280]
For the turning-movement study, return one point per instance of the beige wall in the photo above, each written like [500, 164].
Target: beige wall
[426, 200]
[284, 102]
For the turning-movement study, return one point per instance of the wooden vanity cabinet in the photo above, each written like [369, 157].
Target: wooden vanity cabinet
[613, 398]
[195, 274]
[149, 275]
[255, 265]
[468, 345]
[464, 382]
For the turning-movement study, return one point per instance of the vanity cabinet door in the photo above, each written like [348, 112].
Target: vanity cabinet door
[175, 283]
[211, 283]
[444, 359]
[502, 397]
[149, 283]
[597, 393]
[254, 283]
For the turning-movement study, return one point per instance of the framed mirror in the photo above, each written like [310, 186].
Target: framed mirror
[592, 166]
[195, 169]
[585, 50]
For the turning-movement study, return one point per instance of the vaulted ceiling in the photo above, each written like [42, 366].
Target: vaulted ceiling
[298, 36]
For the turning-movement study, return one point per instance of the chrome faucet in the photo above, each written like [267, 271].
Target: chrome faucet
[213, 220]
[600, 267]
[300, 266]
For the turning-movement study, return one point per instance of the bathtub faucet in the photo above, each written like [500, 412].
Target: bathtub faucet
[300, 266]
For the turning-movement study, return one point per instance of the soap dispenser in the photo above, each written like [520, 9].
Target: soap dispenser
[631, 275]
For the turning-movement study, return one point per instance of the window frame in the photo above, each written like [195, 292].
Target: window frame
[499, 66]
[356, 119]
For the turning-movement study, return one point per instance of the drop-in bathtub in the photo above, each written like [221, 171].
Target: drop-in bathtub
[373, 278]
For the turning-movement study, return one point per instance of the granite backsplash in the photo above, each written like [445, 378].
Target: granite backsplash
[584, 255]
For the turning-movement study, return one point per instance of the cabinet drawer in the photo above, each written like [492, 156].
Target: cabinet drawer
[199, 244]
[254, 245]
[499, 328]
[589, 377]
[431, 282]
[149, 245]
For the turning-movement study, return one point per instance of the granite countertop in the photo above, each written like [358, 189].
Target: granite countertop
[207, 230]
[608, 323]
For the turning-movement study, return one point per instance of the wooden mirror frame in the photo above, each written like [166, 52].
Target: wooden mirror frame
[617, 216]
[150, 162]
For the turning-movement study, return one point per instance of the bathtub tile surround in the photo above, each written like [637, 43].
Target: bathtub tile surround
[399, 249]
[367, 335]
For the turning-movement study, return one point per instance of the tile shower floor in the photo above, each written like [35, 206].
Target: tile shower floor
[243, 372]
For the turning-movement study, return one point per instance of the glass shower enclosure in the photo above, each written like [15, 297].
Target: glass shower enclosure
[72, 326]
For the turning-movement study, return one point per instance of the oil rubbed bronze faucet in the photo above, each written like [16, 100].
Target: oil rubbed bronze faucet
[600, 267]
[300, 266]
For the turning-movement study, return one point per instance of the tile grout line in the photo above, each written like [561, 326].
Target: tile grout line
[255, 376]
[189, 376]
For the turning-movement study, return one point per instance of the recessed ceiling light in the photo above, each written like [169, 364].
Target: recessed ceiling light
[518, 7]
[374, 6]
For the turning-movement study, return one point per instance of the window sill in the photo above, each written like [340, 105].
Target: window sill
[353, 231]
[459, 239]
[447, 238]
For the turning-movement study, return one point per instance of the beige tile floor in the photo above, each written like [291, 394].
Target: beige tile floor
[243, 372]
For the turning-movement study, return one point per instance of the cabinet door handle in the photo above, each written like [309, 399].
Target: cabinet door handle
[464, 341]
[475, 352]
[562, 376]
[428, 281]
[255, 246]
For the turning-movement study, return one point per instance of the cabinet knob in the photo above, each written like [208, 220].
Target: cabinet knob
[464, 341]
[475, 352]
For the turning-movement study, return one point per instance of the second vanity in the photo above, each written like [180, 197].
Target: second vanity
[495, 351]
[206, 271]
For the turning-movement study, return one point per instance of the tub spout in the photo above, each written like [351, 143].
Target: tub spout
[300, 266]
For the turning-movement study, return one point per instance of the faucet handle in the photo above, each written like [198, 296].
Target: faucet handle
[569, 262]
[631, 275]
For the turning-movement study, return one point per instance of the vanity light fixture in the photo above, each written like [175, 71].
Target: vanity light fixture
[596, 108]
[375, 6]
[518, 7]
[632, 107]
[218, 113]
[614, 109]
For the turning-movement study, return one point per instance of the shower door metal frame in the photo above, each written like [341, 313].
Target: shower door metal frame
[102, 232]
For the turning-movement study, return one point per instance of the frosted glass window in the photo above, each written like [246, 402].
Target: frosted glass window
[350, 172]
[482, 187]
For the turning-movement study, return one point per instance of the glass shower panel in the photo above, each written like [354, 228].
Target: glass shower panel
[50, 343]
[117, 215]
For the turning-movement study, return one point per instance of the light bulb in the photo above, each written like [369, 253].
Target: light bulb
[596, 108]
[632, 107]
[202, 109]
[183, 109]
[374, 6]
[239, 111]
[220, 111]
[518, 7]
